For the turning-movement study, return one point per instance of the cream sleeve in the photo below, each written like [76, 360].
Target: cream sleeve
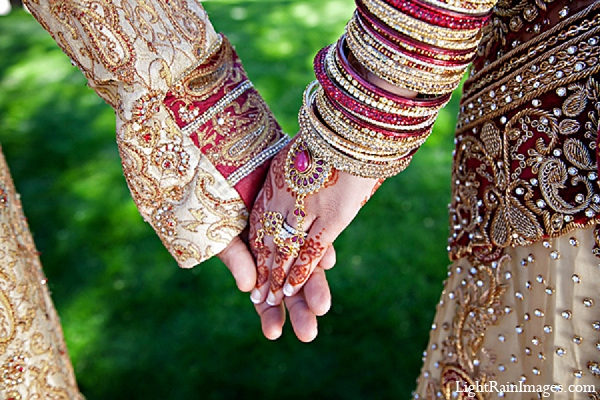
[194, 136]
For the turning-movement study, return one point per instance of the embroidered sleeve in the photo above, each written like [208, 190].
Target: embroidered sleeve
[194, 136]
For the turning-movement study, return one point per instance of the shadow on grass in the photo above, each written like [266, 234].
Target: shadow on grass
[139, 328]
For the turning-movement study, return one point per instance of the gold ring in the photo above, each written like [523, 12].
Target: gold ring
[287, 239]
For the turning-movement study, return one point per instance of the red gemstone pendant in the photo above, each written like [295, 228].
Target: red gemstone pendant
[304, 173]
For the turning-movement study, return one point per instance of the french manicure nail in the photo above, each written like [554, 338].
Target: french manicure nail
[288, 290]
[271, 299]
[255, 296]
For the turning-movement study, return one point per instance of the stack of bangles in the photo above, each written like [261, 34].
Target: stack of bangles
[349, 123]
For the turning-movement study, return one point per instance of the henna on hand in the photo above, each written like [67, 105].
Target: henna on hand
[311, 251]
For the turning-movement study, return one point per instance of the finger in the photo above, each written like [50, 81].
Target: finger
[281, 266]
[304, 321]
[317, 293]
[283, 260]
[238, 259]
[311, 253]
[261, 249]
[272, 266]
[271, 320]
[263, 262]
[329, 259]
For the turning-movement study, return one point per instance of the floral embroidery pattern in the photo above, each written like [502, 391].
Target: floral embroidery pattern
[525, 165]
[193, 134]
[33, 355]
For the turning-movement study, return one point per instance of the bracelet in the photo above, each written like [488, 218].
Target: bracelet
[356, 98]
[382, 51]
[363, 136]
[423, 106]
[439, 16]
[404, 77]
[320, 140]
[413, 45]
[419, 30]
[370, 151]
[476, 8]
[388, 129]
[359, 27]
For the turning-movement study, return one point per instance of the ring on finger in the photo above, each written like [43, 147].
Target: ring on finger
[293, 231]
[287, 239]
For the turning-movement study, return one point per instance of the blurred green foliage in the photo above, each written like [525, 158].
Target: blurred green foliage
[138, 327]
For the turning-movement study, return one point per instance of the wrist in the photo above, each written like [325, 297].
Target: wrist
[377, 81]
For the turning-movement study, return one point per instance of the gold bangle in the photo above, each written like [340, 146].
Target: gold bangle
[308, 121]
[353, 88]
[357, 29]
[391, 64]
[381, 167]
[343, 163]
[446, 38]
[403, 76]
[464, 7]
[361, 136]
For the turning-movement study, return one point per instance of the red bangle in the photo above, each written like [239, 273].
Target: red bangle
[413, 59]
[346, 100]
[366, 28]
[398, 101]
[459, 56]
[437, 16]
[358, 123]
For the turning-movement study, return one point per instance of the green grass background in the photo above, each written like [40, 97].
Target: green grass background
[138, 327]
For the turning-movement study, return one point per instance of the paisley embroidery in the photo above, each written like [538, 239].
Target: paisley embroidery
[185, 108]
[33, 356]
[525, 164]
[190, 23]
[99, 21]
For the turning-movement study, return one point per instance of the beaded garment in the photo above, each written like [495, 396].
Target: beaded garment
[33, 355]
[194, 135]
[525, 163]
[195, 139]
[519, 309]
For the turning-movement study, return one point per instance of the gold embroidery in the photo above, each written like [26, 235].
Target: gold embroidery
[33, 355]
[246, 131]
[189, 22]
[232, 214]
[165, 152]
[201, 83]
[523, 53]
[574, 60]
[478, 306]
[523, 169]
[102, 25]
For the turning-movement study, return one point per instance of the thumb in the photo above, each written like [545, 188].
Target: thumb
[238, 259]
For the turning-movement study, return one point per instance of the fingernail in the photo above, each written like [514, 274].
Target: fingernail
[255, 296]
[271, 299]
[288, 289]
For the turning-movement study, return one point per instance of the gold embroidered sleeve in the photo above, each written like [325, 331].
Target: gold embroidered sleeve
[194, 135]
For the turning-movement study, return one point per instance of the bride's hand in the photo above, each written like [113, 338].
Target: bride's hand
[328, 212]
[313, 300]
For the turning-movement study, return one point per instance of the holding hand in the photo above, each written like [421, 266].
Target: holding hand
[313, 300]
[292, 231]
